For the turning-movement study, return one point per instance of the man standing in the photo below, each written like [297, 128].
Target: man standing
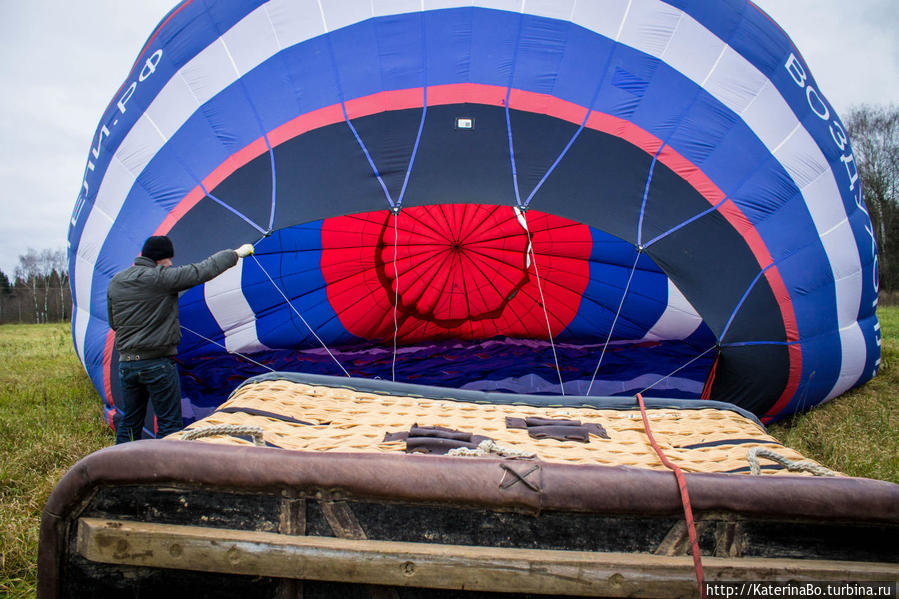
[142, 306]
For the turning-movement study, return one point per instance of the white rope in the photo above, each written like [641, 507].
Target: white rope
[522, 220]
[247, 358]
[676, 370]
[225, 429]
[488, 447]
[396, 274]
[614, 321]
[793, 466]
[311, 330]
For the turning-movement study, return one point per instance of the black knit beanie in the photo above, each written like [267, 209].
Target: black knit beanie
[158, 247]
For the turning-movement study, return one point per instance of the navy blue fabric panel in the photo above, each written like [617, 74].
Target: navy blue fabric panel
[600, 182]
[536, 147]
[319, 166]
[689, 254]
[661, 214]
[702, 339]
[748, 321]
[206, 229]
[481, 171]
[755, 393]
[390, 140]
[249, 190]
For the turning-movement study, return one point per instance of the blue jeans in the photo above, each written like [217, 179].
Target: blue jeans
[156, 381]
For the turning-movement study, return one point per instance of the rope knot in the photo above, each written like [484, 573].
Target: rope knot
[489, 446]
[793, 466]
[254, 432]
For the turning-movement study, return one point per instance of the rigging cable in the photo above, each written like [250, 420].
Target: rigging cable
[615, 320]
[311, 330]
[522, 220]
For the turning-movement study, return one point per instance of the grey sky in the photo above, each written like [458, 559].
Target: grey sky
[62, 61]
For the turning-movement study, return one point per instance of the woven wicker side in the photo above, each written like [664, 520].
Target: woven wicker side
[344, 420]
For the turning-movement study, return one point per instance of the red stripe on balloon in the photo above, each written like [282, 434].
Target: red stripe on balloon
[107, 376]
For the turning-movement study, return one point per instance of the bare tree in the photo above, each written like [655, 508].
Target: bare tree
[874, 131]
[42, 275]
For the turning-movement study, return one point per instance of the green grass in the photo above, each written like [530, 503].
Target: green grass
[51, 416]
[857, 433]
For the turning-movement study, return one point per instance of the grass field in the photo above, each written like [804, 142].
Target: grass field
[51, 416]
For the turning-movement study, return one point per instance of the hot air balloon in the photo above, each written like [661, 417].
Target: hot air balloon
[581, 198]
[483, 232]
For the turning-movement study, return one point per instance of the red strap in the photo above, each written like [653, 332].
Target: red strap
[707, 388]
[685, 499]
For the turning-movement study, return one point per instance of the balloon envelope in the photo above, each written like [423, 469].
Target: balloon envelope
[536, 197]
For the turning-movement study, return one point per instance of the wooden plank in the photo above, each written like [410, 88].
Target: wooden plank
[438, 566]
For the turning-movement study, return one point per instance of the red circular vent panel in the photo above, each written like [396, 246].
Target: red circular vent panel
[454, 271]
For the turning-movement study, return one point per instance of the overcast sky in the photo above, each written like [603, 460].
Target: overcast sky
[61, 61]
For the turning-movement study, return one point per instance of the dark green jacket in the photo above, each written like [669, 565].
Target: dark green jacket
[142, 303]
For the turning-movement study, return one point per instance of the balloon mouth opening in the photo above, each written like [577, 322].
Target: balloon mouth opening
[466, 296]
[499, 365]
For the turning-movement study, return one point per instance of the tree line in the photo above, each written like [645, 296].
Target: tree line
[39, 289]
[874, 132]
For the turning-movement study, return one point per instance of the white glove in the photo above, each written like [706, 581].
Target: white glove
[244, 250]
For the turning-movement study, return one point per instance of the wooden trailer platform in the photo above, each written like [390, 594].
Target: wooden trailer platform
[370, 515]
